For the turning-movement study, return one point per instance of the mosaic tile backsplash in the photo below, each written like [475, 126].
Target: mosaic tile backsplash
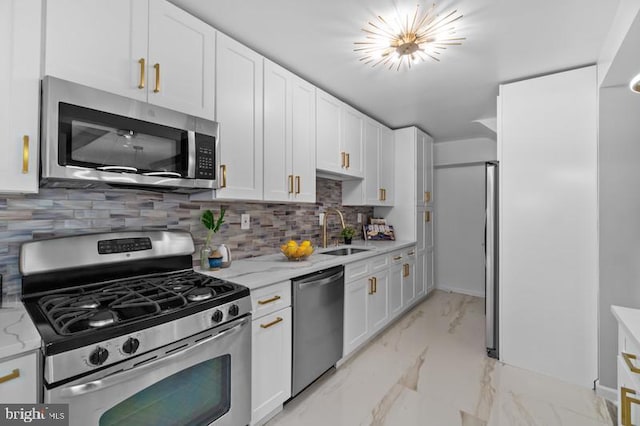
[60, 212]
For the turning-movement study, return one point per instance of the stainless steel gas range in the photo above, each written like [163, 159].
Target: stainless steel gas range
[132, 335]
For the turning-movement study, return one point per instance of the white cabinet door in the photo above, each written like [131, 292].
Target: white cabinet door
[20, 384]
[429, 271]
[181, 60]
[386, 168]
[356, 325]
[328, 133]
[98, 43]
[395, 290]
[20, 87]
[373, 195]
[270, 362]
[239, 112]
[378, 300]
[351, 142]
[428, 168]
[420, 268]
[278, 140]
[303, 110]
[408, 283]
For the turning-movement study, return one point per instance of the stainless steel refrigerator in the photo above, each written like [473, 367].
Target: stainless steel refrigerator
[491, 263]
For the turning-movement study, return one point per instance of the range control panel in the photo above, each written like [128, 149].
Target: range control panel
[123, 245]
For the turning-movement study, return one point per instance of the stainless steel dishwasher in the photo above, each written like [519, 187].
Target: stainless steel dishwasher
[318, 312]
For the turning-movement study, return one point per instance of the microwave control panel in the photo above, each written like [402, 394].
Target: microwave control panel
[205, 156]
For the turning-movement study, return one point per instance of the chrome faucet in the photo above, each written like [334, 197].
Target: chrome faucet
[324, 223]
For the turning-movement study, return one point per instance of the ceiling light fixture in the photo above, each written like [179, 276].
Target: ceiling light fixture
[634, 85]
[409, 40]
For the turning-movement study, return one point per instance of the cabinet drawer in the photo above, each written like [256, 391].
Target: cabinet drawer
[355, 271]
[396, 257]
[409, 254]
[380, 263]
[19, 380]
[271, 298]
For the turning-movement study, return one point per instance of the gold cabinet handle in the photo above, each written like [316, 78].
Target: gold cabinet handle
[406, 270]
[223, 172]
[290, 184]
[625, 402]
[343, 156]
[272, 323]
[297, 184]
[375, 285]
[370, 285]
[348, 160]
[25, 154]
[384, 194]
[411, 253]
[427, 216]
[270, 300]
[380, 196]
[397, 258]
[157, 68]
[13, 375]
[427, 196]
[142, 72]
[627, 359]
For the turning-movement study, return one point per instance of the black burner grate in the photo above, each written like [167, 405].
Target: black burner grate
[101, 305]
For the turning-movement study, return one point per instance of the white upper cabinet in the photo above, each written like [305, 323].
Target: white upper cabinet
[339, 137]
[239, 106]
[328, 133]
[181, 60]
[289, 136]
[424, 188]
[386, 165]
[148, 50]
[20, 23]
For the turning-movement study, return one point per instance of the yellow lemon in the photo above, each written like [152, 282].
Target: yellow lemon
[292, 243]
[291, 251]
[308, 250]
[283, 247]
[305, 243]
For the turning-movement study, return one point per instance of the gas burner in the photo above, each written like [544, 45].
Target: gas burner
[199, 294]
[102, 318]
[179, 287]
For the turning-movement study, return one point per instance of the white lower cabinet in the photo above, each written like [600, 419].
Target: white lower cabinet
[19, 379]
[270, 350]
[408, 280]
[356, 306]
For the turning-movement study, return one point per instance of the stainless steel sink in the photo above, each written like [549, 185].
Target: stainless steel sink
[345, 251]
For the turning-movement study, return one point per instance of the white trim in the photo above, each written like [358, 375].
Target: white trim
[606, 392]
[459, 290]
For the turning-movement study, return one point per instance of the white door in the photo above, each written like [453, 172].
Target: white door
[102, 44]
[408, 284]
[395, 290]
[386, 168]
[303, 110]
[420, 282]
[372, 186]
[328, 133]
[356, 324]
[239, 105]
[278, 178]
[20, 23]
[379, 302]
[181, 60]
[352, 137]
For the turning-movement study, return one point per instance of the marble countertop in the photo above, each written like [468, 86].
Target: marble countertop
[261, 271]
[630, 320]
[18, 334]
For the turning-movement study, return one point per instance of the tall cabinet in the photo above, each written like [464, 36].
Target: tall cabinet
[412, 212]
[20, 85]
[548, 155]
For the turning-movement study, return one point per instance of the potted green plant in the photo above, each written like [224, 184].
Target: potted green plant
[347, 233]
[213, 225]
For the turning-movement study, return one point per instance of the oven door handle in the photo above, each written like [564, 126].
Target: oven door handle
[128, 375]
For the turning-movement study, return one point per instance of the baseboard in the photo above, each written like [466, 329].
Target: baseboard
[606, 392]
[460, 290]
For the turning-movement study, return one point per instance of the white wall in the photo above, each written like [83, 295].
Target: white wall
[459, 213]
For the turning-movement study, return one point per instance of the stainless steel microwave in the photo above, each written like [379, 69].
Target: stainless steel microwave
[95, 139]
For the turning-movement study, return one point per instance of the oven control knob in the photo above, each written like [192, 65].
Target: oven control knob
[217, 316]
[130, 346]
[98, 356]
[234, 310]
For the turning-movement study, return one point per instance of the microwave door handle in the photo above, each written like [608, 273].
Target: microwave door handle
[163, 174]
[130, 374]
[191, 161]
[118, 169]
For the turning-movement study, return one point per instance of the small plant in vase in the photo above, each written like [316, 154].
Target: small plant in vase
[347, 233]
[213, 225]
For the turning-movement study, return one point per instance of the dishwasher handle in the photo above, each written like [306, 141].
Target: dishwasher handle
[315, 282]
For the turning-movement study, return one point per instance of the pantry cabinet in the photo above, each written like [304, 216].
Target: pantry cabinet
[239, 106]
[339, 137]
[628, 365]
[289, 136]
[19, 378]
[149, 50]
[20, 37]
[271, 349]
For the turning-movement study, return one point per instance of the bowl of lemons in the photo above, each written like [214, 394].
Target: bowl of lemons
[294, 251]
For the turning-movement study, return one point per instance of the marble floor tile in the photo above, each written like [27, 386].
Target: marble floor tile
[430, 368]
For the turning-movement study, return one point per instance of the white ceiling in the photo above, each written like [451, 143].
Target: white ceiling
[506, 40]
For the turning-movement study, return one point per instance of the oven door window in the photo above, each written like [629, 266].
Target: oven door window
[196, 396]
[95, 139]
